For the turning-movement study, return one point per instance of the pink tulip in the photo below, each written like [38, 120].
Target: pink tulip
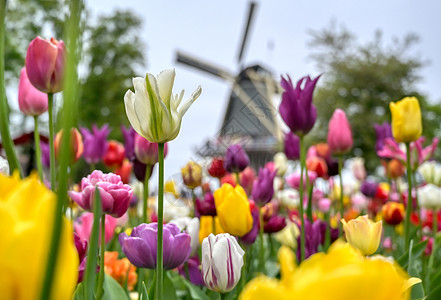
[339, 133]
[31, 101]
[83, 226]
[293, 180]
[147, 152]
[45, 60]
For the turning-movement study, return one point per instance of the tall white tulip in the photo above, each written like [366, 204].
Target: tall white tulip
[4, 166]
[222, 261]
[431, 172]
[153, 109]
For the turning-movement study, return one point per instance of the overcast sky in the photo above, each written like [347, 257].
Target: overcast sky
[211, 30]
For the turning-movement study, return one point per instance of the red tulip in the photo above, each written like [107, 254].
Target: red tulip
[114, 156]
[45, 60]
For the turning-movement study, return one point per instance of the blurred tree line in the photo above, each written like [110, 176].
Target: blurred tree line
[112, 53]
[362, 79]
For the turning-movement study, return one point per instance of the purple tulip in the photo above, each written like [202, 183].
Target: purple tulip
[194, 271]
[383, 132]
[274, 224]
[81, 246]
[206, 207]
[292, 146]
[312, 238]
[129, 142]
[251, 236]
[95, 143]
[139, 169]
[296, 108]
[140, 246]
[369, 188]
[236, 160]
[322, 225]
[263, 187]
[45, 154]
[115, 195]
[31, 101]
[45, 60]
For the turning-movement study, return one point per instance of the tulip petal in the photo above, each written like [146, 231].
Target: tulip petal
[165, 83]
[129, 99]
[138, 252]
[190, 101]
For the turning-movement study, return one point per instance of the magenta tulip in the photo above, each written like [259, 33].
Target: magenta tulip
[31, 101]
[339, 133]
[147, 152]
[45, 60]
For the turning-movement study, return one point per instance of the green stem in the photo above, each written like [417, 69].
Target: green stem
[434, 245]
[193, 197]
[100, 289]
[4, 118]
[419, 226]
[146, 193]
[262, 246]
[327, 232]
[409, 199]
[37, 148]
[223, 296]
[340, 167]
[309, 188]
[50, 101]
[159, 263]
[140, 281]
[302, 227]
[237, 178]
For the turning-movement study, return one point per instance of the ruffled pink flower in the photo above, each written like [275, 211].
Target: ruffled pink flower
[115, 195]
[83, 227]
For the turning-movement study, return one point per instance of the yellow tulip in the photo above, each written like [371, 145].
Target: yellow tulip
[206, 227]
[233, 209]
[288, 235]
[342, 273]
[406, 120]
[26, 211]
[363, 234]
[192, 174]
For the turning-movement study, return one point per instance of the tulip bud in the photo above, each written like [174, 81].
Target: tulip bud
[45, 60]
[236, 160]
[206, 207]
[339, 133]
[429, 196]
[393, 213]
[147, 152]
[363, 234]
[280, 163]
[263, 187]
[217, 169]
[76, 145]
[406, 120]
[246, 178]
[222, 261]
[192, 175]
[274, 224]
[114, 156]
[31, 101]
[292, 146]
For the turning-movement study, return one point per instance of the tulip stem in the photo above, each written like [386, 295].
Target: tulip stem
[327, 232]
[159, 257]
[140, 281]
[419, 232]
[340, 167]
[50, 102]
[237, 178]
[100, 289]
[434, 248]
[262, 246]
[409, 198]
[37, 148]
[302, 227]
[223, 296]
[146, 193]
[4, 118]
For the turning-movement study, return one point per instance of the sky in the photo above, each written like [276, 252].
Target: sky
[212, 30]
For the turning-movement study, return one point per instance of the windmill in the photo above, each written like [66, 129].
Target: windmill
[250, 117]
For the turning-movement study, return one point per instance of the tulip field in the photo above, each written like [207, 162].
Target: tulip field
[312, 223]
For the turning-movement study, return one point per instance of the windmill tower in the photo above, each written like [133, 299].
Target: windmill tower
[250, 118]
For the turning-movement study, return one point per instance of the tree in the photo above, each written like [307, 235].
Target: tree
[362, 79]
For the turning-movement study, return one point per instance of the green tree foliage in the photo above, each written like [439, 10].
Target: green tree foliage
[362, 79]
[113, 52]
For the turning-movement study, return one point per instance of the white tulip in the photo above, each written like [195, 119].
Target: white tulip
[431, 172]
[429, 196]
[191, 226]
[4, 166]
[153, 110]
[174, 208]
[289, 198]
[280, 163]
[222, 261]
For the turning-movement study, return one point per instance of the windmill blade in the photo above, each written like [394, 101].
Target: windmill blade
[245, 33]
[203, 66]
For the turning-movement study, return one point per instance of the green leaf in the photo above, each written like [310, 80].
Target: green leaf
[79, 292]
[89, 276]
[195, 292]
[145, 294]
[169, 288]
[112, 290]
[417, 249]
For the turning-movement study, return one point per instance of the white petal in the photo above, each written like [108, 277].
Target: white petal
[220, 263]
[165, 81]
[190, 101]
[139, 85]
[129, 99]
